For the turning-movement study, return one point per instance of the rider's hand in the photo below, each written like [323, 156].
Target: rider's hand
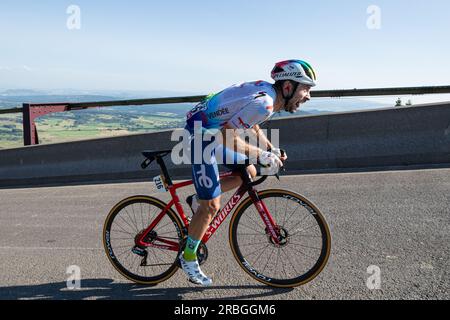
[270, 162]
[281, 154]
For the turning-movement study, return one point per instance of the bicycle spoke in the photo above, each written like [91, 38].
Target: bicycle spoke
[124, 246]
[132, 228]
[168, 223]
[137, 266]
[149, 215]
[123, 252]
[156, 258]
[135, 219]
[130, 238]
[252, 244]
[126, 222]
[285, 209]
[313, 225]
[302, 253]
[142, 216]
[306, 235]
[283, 266]
[278, 258]
[286, 221]
[254, 252]
[128, 215]
[164, 251]
[293, 267]
[268, 260]
[302, 245]
[257, 214]
[276, 202]
[261, 253]
[244, 225]
[122, 230]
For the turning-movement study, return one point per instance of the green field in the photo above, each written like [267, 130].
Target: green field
[73, 126]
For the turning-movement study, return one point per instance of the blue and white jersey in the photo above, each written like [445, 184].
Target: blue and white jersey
[241, 106]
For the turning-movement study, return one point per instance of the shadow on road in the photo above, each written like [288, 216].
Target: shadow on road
[105, 289]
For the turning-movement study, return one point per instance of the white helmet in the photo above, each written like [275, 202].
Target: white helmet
[295, 70]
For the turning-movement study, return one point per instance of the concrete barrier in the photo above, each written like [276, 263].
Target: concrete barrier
[406, 136]
[418, 135]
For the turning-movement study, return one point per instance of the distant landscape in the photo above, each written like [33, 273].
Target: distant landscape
[121, 120]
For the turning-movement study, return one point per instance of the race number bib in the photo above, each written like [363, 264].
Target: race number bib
[159, 183]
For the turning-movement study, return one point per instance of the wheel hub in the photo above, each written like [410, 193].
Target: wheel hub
[283, 237]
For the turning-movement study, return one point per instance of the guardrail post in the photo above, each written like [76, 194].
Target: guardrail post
[29, 127]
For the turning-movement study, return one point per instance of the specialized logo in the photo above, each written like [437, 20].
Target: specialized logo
[266, 218]
[223, 214]
[289, 74]
[203, 179]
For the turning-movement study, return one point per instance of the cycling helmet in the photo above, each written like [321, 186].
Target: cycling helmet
[295, 70]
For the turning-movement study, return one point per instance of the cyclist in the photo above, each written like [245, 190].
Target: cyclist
[242, 106]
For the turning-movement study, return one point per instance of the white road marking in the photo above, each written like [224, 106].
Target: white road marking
[48, 248]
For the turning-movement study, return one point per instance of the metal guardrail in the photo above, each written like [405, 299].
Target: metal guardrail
[381, 92]
[32, 111]
[13, 110]
[192, 99]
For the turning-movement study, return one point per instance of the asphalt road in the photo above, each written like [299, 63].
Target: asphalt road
[395, 220]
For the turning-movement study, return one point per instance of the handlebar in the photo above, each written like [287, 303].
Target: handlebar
[264, 177]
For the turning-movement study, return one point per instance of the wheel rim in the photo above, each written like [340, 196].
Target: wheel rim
[304, 242]
[123, 229]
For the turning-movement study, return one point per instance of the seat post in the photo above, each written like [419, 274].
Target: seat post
[163, 167]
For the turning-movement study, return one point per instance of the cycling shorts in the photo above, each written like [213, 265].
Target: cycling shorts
[205, 171]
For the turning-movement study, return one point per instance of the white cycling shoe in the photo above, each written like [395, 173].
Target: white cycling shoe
[193, 271]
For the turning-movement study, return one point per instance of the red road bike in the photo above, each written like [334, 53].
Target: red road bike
[278, 237]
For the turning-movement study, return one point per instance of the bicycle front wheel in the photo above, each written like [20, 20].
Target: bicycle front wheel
[301, 254]
[125, 222]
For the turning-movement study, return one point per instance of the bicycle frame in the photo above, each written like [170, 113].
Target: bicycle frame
[218, 219]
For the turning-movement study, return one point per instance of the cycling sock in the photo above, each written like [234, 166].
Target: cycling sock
[190, 251]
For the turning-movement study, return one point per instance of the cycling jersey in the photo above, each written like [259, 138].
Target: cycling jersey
[240, 106]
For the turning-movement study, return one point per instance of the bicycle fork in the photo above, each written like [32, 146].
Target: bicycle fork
[272, 228]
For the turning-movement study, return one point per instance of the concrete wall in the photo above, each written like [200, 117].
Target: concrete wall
[387, 137]
[417, 135]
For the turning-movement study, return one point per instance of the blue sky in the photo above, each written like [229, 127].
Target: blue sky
[204, 46]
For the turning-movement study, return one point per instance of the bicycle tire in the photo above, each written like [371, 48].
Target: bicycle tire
[250, 267]
[174, 222]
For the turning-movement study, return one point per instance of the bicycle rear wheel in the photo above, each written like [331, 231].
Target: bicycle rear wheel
[303, 251]
[124, 223]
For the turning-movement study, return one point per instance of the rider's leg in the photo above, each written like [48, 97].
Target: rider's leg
[231, 183]
[208, 208]
[198, 226]
[203, 217]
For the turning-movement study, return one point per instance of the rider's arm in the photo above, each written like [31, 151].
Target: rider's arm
[238, 144]
[264, 141]
[257, 111]
[262, 137]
